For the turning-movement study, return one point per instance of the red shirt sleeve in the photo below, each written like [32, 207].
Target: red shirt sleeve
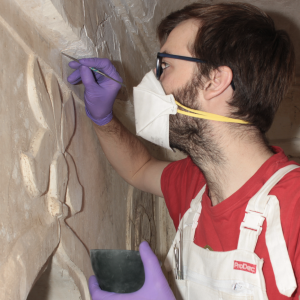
[181, 181]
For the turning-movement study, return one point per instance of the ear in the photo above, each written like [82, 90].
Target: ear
[220, 80]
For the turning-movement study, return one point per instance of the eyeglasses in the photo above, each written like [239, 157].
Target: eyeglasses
[159, 68]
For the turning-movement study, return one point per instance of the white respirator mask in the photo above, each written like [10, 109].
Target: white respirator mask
[152, 108]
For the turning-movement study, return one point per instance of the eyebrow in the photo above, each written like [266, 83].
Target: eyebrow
[166, 52]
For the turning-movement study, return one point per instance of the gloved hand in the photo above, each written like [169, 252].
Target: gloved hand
[155, 287]
[100, 91]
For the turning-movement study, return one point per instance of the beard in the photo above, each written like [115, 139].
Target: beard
[193, 136]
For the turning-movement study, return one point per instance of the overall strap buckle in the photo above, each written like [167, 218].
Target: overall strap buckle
[253, 220]
[250, 229]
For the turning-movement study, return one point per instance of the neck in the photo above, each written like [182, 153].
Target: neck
[227, 166]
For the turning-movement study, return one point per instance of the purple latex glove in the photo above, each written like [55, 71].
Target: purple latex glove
[155, 287]
[100, 91]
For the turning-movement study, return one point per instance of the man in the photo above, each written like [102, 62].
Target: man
[231, 181]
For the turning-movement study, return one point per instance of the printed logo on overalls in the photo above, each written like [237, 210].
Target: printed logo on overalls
[244, 266]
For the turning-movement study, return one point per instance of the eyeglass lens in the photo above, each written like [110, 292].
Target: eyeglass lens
[159, 69]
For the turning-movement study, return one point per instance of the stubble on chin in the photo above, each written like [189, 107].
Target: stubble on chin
[193, 136]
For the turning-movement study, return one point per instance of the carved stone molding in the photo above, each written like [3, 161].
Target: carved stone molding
[48, 169]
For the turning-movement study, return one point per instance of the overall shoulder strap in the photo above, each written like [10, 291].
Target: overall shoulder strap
[280, 260]
[256, 211]
[197, 200]
[264, 206]
[194, 213]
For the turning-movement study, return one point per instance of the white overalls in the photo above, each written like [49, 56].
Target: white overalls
[237, 274]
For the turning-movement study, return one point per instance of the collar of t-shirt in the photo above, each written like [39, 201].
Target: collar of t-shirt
[248, 190]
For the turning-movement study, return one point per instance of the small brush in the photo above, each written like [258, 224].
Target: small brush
[94, 69]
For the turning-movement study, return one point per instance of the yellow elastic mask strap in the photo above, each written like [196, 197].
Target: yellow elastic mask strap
[207, 116]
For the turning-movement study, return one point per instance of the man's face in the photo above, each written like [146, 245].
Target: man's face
[178, 78]
[181, 78]
[177, 73]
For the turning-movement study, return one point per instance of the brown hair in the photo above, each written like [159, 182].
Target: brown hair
[244, 38]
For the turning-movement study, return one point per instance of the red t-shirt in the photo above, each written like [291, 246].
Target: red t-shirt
[219, 225]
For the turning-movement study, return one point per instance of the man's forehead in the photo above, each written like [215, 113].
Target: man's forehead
[181, 38]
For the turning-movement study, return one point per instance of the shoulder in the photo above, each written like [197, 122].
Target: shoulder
[289, 184]
[290, 181]
[182, 174]
[287, 190]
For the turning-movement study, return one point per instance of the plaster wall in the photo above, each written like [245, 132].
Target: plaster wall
[59, 196]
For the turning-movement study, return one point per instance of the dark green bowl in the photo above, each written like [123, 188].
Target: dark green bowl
[119, 271]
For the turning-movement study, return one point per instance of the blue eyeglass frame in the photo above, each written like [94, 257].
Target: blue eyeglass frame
[160, 55]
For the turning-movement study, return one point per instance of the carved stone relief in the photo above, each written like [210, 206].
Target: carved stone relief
[56, 177]
[53, 191]
[52, 156]
[22, 139]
